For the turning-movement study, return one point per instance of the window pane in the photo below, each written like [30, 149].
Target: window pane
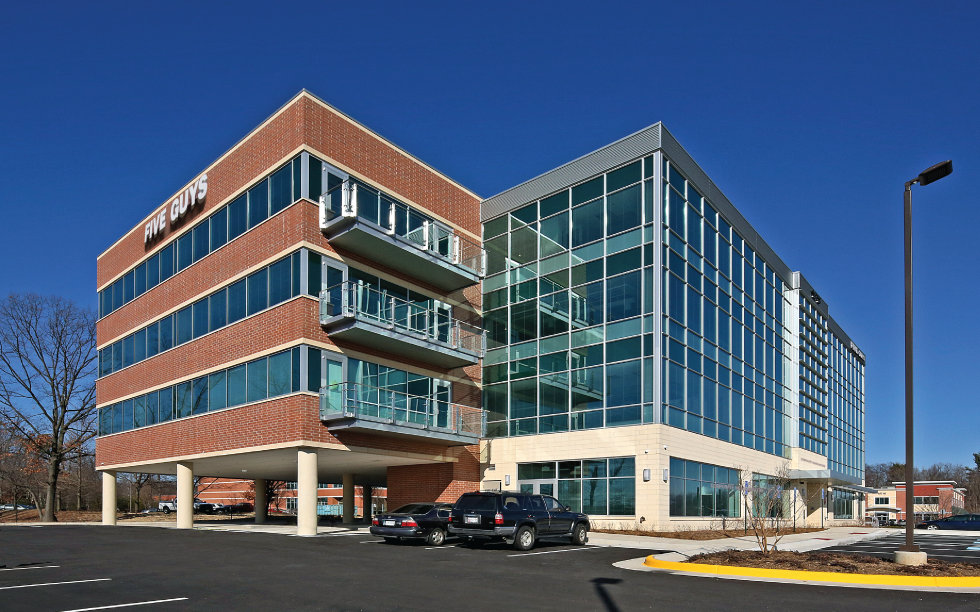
[141, 279]
[127, 412]
[167, 262]
[627, 175]
[623, 210]
[152, 340]
[258, 287]
[279, 282]
[166, 333]
[238, 217]
[129, 287]
[258, 204]
[152, 272]
[139, 411]
[202, 241]
[623, 296]
[129, 357]
[185, 400]
[217, 306]
[258, 379]
[216, 391]
[315, 273]
[139, 339]
[200, 397]
[570, 494]
[280, 370]
[166, 404]
[281, 187]
[184, 251]
[200, 317]
[219, 228]
[587, 223]
[236, 302]
[594, 496]
[313, 370]
[152, 409]
[623, 383]
[236, 386]
[587, 191]
[184, 326]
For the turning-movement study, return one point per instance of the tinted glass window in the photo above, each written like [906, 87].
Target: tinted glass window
[477, 502]
[258, 287]
[153, 272]
[184, 326]
[166, 333]
[414, 509]
[166, 404]
[281, 189]
[238, 217]
[512, 502]
[217, 306]
[200, 397]
[279, 281]
[141, 279]
[258, 204]
[537, 503]
[202, 241]
[587, 223]
[219, 228]
[236, 301]
[216, 391]
[236, 386]
[279, 374]
[167, 262]
[200, 318]
[184, 251]
[258, 380]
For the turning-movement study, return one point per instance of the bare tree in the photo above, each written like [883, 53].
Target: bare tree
[765, 500]
[48, 362]
[876, 475]
[273, 492]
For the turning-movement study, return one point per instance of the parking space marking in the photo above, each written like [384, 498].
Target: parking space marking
[14, 569]
[440, 547]
[371, 542]
[127, 605]
[548, 552]
[27, 586]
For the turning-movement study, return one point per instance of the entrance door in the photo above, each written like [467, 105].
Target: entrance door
[441, 405]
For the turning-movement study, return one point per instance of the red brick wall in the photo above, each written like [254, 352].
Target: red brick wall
[435, 482]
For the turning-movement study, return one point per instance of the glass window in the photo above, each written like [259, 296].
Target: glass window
[623, 296]
[587, 191]
[166, 404]
[219, 228]
[139, 340]
[152, 339]
[236, 301]
[129, 286]
[258, 203]
[185, 326]
[238, 217]
[167, 262]
[153, 272]
[624, 210]
[152, 408]
[129, 351]
[236, 386]
[258, 287]
[313, 370]
[218, 307]
[280, 374]
[202, 240]
[139, 411]
[200, 317]
[279, 281]
[216, 391]
[185, 400]
[555, 203]
[167, 333]
[258, 380]
[623, 383]
[281, 188]
[140, 280]
[587, 223]
[185, 251]
[200, 397]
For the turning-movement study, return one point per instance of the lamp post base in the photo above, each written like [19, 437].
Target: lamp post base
[905, 557]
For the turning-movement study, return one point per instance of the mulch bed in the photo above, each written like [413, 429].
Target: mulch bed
[695, 534]
[833, 562]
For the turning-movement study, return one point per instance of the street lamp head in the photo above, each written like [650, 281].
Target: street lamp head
[933, 174]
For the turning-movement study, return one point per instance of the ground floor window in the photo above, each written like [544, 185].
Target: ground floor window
[843, 504]
[601, 487]
[700, 489]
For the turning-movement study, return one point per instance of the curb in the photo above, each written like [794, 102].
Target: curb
[970, 582]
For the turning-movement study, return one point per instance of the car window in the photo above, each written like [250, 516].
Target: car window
[553, 504]
[414, 509]
[477, 502]
[537, 503]
[512, 502]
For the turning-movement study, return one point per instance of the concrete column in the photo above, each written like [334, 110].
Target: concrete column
[348, 499]
[109, 497]
[261, 502]
[185, 495]
[306, 491]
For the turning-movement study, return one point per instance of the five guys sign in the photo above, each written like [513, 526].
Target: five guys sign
[187, 199]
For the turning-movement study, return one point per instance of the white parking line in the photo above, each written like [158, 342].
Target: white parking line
[439, 547]
[371, 542]
[548, 552]
[126, 605]
[26, 586]
[14, 569]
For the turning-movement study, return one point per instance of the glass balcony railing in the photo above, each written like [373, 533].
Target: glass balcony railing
[354, 206]
[360, 406]
[399, 326]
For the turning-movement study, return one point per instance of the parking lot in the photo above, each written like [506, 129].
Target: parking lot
[88, 568]
[948, 546]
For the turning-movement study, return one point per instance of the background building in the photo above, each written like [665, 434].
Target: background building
[934, 499]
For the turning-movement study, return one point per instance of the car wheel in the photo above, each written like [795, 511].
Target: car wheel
[166, 510]
[392, 540]
[436, 537]
[932, 527]
[524, 538]
[580, 535]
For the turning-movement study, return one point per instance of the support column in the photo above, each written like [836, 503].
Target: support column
[109, 497]
[348, 499]
[261, 502]
[306, 490]
[185, 495]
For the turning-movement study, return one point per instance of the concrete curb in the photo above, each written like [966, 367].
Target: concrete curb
[914, 583]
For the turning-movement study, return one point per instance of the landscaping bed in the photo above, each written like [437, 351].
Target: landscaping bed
[833, 562]
[697, 534]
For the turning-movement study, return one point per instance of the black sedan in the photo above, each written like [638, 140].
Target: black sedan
[424, 520]
[963, 522]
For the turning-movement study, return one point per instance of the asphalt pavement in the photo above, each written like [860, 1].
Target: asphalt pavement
[88, 568]
[948, 546]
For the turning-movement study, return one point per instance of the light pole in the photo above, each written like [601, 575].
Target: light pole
[909, 553]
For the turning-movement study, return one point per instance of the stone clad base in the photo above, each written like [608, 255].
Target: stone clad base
[904, 557]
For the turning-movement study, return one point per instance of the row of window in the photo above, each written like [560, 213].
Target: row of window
[267, 198]
[263, 289]
[597, 487]
[700, 489]
[255, 381]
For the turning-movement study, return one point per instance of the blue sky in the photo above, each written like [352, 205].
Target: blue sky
[810, 117]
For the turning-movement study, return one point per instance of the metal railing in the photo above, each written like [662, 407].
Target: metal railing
[352, 199]
[355, 300]
[357, 400]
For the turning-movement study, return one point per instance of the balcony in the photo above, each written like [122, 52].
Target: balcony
[361, 220]
[359, 407]
[369, 317]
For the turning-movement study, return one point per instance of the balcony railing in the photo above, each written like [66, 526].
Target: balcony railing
[400, 326]
[360, 406]
[352, 205]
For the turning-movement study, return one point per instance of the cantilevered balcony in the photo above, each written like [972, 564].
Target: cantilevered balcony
[369, 317]
[359, 407]
[361, 220]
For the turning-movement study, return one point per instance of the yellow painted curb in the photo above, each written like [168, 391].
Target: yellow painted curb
[755, 572]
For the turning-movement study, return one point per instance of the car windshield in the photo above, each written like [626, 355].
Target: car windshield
[414, 509]
[477, 502]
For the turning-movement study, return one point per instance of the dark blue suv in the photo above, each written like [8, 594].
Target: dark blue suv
[519, 519]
